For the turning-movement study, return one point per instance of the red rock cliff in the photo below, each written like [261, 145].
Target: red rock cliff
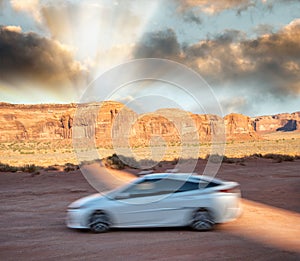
[107, 120]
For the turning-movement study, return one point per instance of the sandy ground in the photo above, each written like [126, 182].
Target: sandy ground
[32, 214]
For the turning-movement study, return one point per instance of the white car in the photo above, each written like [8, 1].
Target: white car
[159, 200]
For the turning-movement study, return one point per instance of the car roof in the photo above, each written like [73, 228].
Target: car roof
[182, 176]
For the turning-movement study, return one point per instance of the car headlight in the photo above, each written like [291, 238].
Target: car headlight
[76, 207]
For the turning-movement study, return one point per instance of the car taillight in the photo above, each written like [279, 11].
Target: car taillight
[231, 190]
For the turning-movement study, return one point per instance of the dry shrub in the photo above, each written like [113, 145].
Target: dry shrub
[53, 168]
[30, 168]
[113, 162]
[216, 158]
[279, 157]
[89, 162]
[8, 168]
[70, 167]
[175, 161]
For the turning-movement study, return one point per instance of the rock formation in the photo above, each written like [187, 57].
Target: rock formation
[278, 122]
[105, 123]
[239, 127]
[35, 122]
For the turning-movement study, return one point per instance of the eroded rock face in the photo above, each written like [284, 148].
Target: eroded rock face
[103, 124]
[154, 128]
[239, 126]
[175, 126]
[54, 122]
[210, 127]
[278, 122]
[35, 122]
[296, 117]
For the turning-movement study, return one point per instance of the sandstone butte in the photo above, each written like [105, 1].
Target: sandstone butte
[111, 122]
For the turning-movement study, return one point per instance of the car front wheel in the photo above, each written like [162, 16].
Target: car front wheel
[202, 220]
[99, 222]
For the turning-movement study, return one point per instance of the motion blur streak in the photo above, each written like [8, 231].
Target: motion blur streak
[264, 223]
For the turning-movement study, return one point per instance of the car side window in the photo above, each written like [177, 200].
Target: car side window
[154, 187]
[144, 188]
[187, 186]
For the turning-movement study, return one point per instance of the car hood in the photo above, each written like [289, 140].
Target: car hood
[86, 200]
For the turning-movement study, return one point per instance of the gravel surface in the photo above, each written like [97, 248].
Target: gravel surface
[33, 210]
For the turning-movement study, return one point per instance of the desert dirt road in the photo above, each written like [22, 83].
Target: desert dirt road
[32, 213]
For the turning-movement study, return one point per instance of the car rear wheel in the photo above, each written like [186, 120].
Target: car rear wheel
[202, 220]
[99, 222]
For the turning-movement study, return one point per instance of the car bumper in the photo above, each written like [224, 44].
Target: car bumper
[227, 208]
[233, 211]
[76, 218]
[232, 214]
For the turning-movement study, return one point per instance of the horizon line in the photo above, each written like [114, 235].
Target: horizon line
[77, 103]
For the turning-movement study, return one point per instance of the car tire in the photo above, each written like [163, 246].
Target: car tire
[202, 220]
[99, 222]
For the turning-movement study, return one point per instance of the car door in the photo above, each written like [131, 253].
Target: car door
[135, 206]
[155, 202]
[174, 209]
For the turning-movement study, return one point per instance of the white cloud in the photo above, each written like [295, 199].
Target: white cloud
[13, 28]
[30, 6]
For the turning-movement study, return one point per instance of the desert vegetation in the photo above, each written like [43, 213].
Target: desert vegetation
[276, 146]
[30, 168]
[120, 162]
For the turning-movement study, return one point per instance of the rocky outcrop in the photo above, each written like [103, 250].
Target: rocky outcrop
[210, 127]
[35, 122]
[111, 123]
[175, 126]
[296, 117]
[239, 127]
[154, 128]
[278, 122]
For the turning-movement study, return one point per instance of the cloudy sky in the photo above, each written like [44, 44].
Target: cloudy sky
[248, 51]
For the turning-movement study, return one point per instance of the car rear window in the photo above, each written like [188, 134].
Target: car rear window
[187, 186]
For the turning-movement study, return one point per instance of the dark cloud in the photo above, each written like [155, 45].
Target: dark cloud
[161, 44]
[218, 59]
[269, 64]
[230, 36]
[244, 7]
[36, 59]
[217, 6]
[192, 17]
[270, 4]
[262, 29]
[276, 58]
[271, 61]
[235, 104]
